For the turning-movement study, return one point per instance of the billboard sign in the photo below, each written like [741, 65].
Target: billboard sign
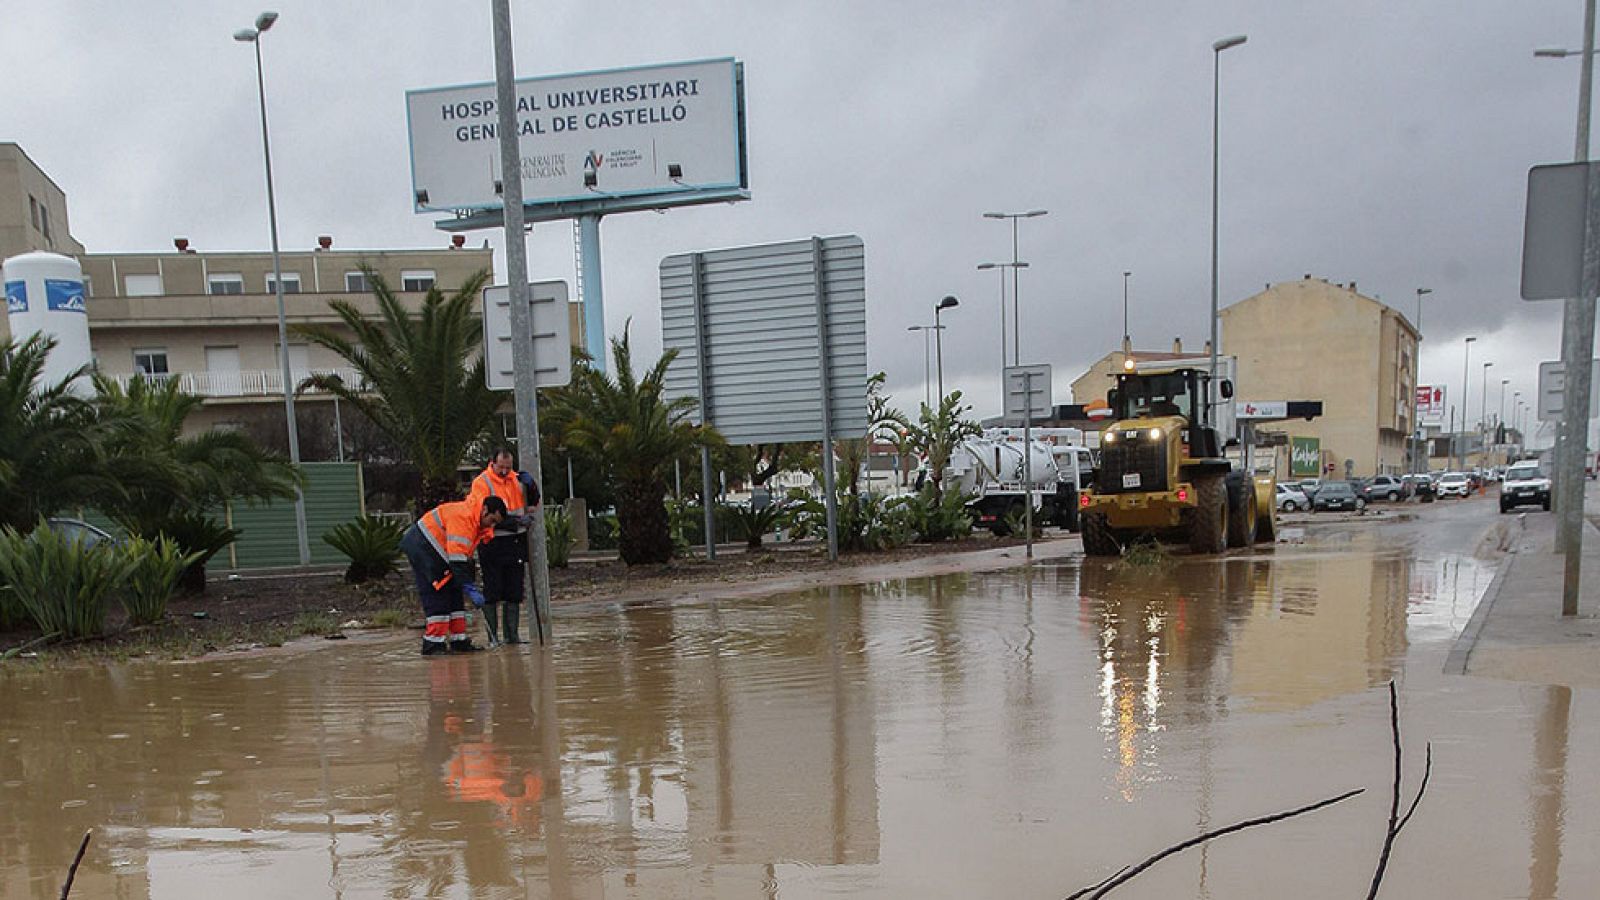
[16, 296]
[552, 336]
[1554, 231]
[1430, 404]
[771, 340]
[1305, 456]
[653, 130]
[1553, 388]
[64, 295]
[1266, 409]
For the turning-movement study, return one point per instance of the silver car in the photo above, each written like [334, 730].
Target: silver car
[1291, 499]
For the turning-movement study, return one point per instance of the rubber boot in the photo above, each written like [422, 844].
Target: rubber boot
[491, 623]
[430, 648]
[513, 614]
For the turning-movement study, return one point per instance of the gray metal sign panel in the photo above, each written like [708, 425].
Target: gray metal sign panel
[1553, 232]
[1553, 387]
[552, 335]
[776, 324]
[1025, 383]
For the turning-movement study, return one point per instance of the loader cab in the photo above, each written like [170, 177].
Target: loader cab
[1175, 392]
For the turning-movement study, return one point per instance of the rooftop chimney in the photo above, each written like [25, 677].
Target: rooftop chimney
[1207, 349]
[182, 243]
[1177, 345]
[1308, 276]
[1353, 287]
[457, 241]
[325, 242]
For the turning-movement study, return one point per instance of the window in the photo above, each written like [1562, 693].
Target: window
[416, 280]
[88, 286]
[142, 285]
[44, 222]
[33, 210]
[150, 362]
[225, 283]
[356, 282]
[291, 283]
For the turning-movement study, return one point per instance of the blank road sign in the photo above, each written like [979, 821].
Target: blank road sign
[1027, 393]
[1553, 233]
[552, 336]
[1553, 386]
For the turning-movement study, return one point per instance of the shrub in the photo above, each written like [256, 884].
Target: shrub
[558, 536]
[603, 530]
[63, 583]
[939, 517]
[197, 535]
[372, 545]
[754, 523]
[154, 568]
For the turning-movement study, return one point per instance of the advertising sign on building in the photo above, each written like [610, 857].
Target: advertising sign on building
[1267, 409]
[655, 130]
[1305, 456]
[1430, 404]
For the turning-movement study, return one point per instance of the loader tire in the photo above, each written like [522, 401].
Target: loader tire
[1241, 510]
[1267, 525]
[1208, 521]
[1097, 537]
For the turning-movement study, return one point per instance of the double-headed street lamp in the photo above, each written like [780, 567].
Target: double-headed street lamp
[938, 338]
[927, 355]
[1216, 110]
[253, 36]
[1016, 286]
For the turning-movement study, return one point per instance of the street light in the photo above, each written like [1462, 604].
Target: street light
[927, 351]
[253, 36]
[938, 338]
[1127, 339]
[1216, 109]
[1483, 398]
[1461, 454]
[1421, 292]
[1001, 267]
[1016, 286]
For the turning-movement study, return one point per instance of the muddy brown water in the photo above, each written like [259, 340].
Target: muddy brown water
[1017, 733]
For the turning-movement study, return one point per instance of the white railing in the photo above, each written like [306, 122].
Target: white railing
[256, 383]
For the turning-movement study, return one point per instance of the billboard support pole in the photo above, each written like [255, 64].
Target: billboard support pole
[702, 376]
[594, 306]
[527, 398]
[1027, 458]
[830, 498]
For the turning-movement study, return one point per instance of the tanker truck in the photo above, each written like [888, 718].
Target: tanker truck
[991, 469]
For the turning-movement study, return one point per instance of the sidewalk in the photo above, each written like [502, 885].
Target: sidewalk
[1517, 632]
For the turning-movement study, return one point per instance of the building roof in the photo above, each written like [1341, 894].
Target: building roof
[1309, 281]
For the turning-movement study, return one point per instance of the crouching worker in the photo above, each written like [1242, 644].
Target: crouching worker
[504, 558]
[439, 547]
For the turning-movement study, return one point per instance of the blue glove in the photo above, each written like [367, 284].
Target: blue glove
[473, 594]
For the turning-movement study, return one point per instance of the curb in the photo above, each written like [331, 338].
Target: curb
[1467, 641]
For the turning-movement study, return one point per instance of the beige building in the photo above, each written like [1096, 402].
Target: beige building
[33, 210]
[1312, 340]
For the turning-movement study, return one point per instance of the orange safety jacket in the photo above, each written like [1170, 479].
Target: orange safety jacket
[509, 489]
[453, 531]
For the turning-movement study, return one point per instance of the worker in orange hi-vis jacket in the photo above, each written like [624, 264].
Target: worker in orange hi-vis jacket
[439, 547]
[503, 560]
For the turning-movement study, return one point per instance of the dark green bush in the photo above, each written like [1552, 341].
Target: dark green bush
[558, 536]
[63, 583]
[372, 545]
[154, 568]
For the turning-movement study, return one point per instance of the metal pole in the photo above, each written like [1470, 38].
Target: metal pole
[1027, 459]
[703, 381]
[1483, 399]
[1126, 339]
[1577, 347]
[594, 308]
[1466, 363]
[938, 342]
[1216, 120]
[830, 498]
[536, 589]
[302, 538]
[1016, 298]
[338, 427]
[571, 488]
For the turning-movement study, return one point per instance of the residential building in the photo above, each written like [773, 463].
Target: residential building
[33, 210]
[1314, 340]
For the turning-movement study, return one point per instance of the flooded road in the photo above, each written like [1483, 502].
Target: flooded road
[1017, 733]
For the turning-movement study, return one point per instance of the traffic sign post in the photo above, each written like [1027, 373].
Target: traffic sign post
[1027, 388]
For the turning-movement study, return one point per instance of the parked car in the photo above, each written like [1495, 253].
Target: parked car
[1291, 499]
[1525, 483]
[79, 530]
[1454, 484]
[1309, 487]
[1383, 487]
[1332, 495]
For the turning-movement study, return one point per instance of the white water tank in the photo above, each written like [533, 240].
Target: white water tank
[44, 295]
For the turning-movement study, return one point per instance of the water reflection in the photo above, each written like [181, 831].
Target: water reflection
[982, 734]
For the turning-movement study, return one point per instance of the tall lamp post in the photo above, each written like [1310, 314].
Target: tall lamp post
[1483, 398]
[927, 354]
[1418, 458]
[1016, 286]
[1127, 336]
[1461, 454]
[253, 36]
[938, 338]
[1216, 119]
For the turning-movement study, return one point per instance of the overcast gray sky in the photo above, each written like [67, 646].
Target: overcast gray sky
[1366, 140]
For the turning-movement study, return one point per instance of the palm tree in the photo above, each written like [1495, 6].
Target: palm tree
[50, 453]
[175, 485]
[635, 433]
[422, 377]
[937, 433]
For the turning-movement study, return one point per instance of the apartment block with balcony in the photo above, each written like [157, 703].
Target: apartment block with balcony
[210, 320]
[1313, 340]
